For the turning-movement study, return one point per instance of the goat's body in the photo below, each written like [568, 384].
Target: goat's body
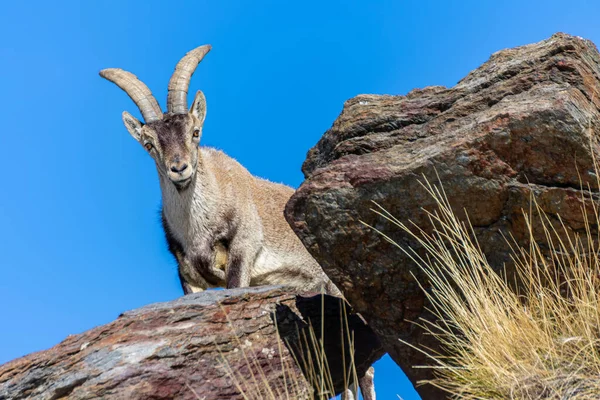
[224, 226]
[229, 218]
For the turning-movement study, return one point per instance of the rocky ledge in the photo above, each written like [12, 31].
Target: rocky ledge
[212, 345]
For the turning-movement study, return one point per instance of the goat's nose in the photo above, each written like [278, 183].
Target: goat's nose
[179, 168]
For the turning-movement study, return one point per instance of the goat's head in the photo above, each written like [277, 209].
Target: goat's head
[171, 139]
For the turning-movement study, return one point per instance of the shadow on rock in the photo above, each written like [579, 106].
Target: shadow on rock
[329, 341]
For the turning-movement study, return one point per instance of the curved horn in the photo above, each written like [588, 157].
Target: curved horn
[180, 80]
[137, 90]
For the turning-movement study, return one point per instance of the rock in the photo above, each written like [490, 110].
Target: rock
[517, 124]
[190, 348]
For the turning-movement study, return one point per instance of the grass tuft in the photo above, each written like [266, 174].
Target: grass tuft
[308, 354]
[535, 338]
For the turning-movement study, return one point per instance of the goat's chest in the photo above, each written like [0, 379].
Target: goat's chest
[191, 223]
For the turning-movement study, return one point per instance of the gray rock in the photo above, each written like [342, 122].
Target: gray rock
[179, 349]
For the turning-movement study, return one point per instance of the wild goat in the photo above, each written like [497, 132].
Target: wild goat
[224, 226]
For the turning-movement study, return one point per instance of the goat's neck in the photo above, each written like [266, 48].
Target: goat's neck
[186, 209]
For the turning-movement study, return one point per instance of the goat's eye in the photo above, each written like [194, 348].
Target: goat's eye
[196, 133]
[148, 146]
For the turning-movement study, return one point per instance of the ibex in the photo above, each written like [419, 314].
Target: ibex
[224, 226]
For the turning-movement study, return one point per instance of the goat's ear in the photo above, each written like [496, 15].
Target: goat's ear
[133, 125]
[198, 109]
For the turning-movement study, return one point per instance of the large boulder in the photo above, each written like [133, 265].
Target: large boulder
[523, 122]
[210, 345]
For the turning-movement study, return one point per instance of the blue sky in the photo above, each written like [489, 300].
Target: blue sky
[80, 239]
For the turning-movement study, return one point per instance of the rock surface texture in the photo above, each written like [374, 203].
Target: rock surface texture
[201, 346]
[523, 122]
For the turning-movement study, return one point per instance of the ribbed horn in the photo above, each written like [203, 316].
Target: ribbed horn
[137, 90]
[180, 80]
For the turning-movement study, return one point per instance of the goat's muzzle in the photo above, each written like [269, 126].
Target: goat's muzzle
[180, 173]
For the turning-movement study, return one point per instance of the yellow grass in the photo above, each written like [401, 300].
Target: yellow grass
[254, 385]
[541, 341]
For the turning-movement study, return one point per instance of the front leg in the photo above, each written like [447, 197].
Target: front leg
[188, 287]
[191, 281]
[238, 271]
[201, 268]
[184, 268]
[207, 263]
[367, 385]
[240, 260]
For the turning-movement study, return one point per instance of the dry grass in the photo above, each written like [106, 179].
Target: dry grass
[253, 384]
[541, 341]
